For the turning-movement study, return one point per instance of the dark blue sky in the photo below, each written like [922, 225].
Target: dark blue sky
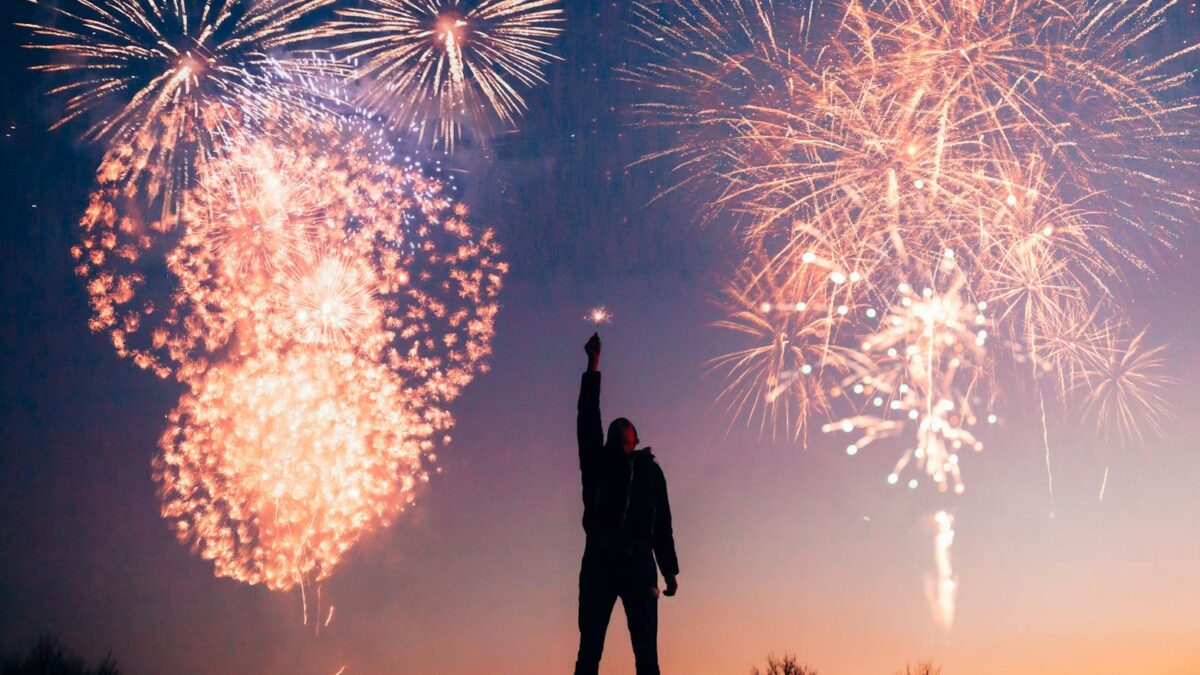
[782, 549]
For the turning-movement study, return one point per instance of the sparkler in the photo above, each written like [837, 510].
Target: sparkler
[438, 66]
[598, 315]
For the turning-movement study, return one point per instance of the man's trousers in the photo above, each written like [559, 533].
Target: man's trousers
[607, 573]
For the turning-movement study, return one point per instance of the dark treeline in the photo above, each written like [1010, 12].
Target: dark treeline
[48, 656]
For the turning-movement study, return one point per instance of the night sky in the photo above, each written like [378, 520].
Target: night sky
[782, 548]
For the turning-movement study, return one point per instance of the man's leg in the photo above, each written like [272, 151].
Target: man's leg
[597, 594]
[639, 596]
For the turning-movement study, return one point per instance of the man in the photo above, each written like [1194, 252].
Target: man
[628, 523]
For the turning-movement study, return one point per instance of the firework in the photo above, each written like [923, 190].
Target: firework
[924, 370]
[165, 80]
[307, 241]
[438, 66]
[1122, 383]
[330, 301]
[988, 151]
[793, 313]
[274, 466]
[322, 307]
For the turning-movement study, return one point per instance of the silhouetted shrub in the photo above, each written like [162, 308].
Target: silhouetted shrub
[48, 657]
[926, 668]
[785, 666]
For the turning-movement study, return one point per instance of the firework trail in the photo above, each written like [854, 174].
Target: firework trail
[942, 590]
[442, 68]
[166, 80]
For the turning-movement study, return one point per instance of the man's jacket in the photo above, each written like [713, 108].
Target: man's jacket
[624, 495]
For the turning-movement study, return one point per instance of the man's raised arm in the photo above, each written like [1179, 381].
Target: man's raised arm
[587, 425]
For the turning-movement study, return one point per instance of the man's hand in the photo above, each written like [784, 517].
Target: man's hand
[593, 352]
[672, 587]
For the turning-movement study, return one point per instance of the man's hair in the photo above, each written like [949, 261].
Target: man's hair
[614, 432]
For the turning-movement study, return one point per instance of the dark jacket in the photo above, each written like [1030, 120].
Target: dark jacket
[624, 495]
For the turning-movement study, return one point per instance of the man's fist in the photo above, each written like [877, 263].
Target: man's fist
[593, 351]
[672, 587]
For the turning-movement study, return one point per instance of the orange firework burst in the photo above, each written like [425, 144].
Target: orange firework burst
[330, 301]
[274, 466]
[998, 147]
[354, 251]
[325, 307]
[437, 65]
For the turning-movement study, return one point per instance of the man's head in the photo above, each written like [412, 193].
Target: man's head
[622, 435]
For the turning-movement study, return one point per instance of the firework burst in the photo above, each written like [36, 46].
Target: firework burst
[1122, 382]
[925, 366]
[274, 466]
[997, 148]
[440, 66]
[166, 80]
[359, 252]
[323, 308]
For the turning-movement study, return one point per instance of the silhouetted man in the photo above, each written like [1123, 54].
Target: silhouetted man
[628, 524]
